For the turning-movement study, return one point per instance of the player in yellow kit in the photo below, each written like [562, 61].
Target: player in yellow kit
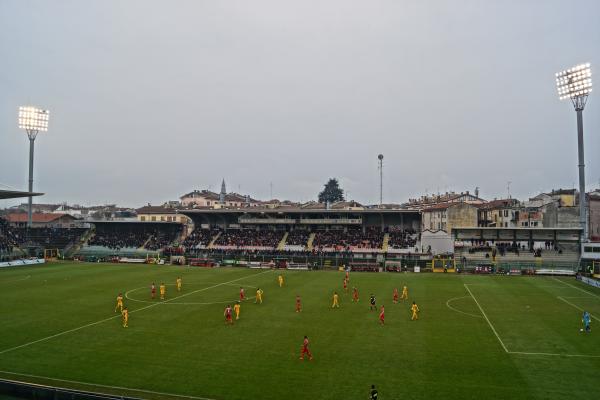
[178, 281]
[404, 293]
[163, 290]
[125, 315]
[119, 303]
[280, 279]
[259, 294]
[236, 309]
[415, 311]
[335, 304]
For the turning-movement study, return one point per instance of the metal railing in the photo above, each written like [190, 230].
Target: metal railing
[313, 260]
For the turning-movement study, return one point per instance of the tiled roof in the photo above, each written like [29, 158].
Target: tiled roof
[500, 203]
[155, 210]
[445, 206]
[36, 217]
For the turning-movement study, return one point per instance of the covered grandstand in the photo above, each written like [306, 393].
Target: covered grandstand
[10, 240]
[129, 239]
[328, 230]
[535, 249]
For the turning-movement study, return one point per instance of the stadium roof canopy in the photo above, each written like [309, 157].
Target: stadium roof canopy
[15, 194]
[571, 234]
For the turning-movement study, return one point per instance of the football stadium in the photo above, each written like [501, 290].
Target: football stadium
[124, 273]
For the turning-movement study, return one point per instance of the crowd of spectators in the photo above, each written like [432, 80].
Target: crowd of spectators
[118, 240]
[249, 237]
[133, 236]
[371, 238]
[402, 239]
[298, 237]
[160, 238]
[206, 253]
[199, 237]
[333, 240]
[48, 238]
[7, 238]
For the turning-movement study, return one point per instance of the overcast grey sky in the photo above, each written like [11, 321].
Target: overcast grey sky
[151, 99]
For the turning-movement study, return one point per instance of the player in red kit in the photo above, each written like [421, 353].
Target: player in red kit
[395, 295]
[347, 276]
[354, 294]
[298, 303]
[382, 316]
[345, 285]
[227, 314]
[305, 349]
[242, 295]
[153, 290]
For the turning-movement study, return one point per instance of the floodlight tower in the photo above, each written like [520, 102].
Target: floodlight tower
[576, 84]
[33, 120]
[380, 158]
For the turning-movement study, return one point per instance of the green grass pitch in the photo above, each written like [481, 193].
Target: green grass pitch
[478, 336]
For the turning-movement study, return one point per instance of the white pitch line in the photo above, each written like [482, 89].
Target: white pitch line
[105, 386]
[577, 307]
[575, 287]
[553, 354]
[457, 310]
[118, 316]
[486, 318]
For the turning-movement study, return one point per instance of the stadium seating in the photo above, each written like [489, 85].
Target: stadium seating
[516, 254]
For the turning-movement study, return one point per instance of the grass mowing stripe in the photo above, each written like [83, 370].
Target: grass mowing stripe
[486, 318]
[104, 386]
[118, 316]
[18, 280]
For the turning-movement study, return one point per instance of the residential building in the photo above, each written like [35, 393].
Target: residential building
[206, 198]
[501, 213]
[443, 217]
[42, 220]
[448, 197]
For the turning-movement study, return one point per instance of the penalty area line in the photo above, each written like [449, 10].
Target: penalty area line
[119, 316]
[554, 354]
[575, 287]
[104, 386]
[487, 319]
[460, 311]
[577, 307]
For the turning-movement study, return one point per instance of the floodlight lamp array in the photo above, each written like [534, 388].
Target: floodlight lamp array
[33, 119]
[574, 82]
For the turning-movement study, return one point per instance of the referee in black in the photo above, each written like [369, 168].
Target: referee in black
[373, 395]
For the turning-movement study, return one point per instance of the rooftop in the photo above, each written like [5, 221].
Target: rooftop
[36, 217]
